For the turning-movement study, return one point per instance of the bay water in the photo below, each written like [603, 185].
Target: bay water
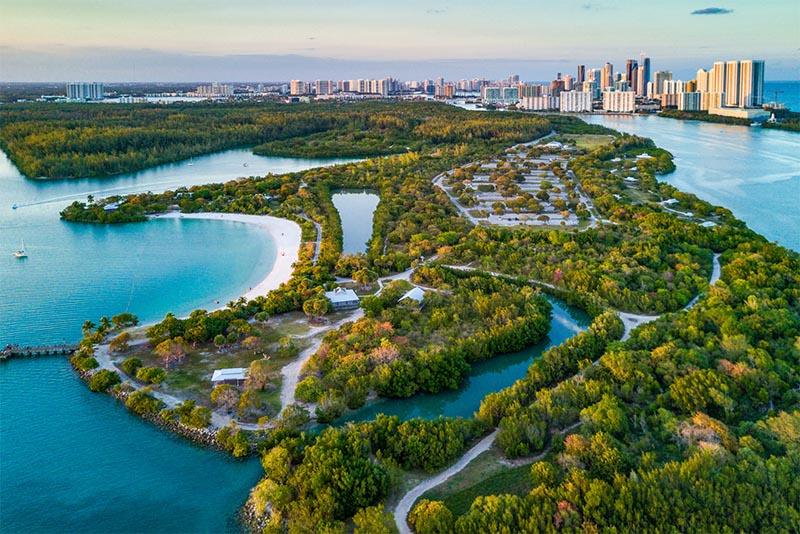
[76, 461]
[753, 172]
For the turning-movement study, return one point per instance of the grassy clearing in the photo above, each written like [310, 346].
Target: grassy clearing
[591, 141]
[191, 378]
[483, 476]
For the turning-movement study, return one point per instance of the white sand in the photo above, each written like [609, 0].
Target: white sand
[285, 233]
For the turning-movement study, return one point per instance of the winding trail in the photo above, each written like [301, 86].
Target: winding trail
[630, 321]
[403, 508]
[291, 372]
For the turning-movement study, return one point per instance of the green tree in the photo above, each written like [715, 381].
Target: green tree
[121, 343]
[171, 351]
[431, 517]
[103, 379]
[225, 397]
[131, 365]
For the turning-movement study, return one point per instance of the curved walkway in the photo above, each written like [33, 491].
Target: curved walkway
[291, 372]
[630, 321]
[403, 508]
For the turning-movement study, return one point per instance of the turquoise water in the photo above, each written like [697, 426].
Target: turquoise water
[788, 93]
[356, 209]
[485, 377]
[754, 173]
[76, 461]
[145, 268]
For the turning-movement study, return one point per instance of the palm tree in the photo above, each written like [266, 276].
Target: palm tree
[105, 324]
[87, 328]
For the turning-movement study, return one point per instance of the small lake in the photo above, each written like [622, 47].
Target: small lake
[356, 209]
[484, 378]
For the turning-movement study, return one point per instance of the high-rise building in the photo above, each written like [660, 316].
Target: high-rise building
[751, 78]
[608, 76]
[732, 83]
[513, 79]
[717, 80]
[643, 75]
[569, 82]
[539, 103]
[323, 87]
[297, 87]
[85, 91]
[702, 80]
[590, 87]
[619, 101]
[631, 69]
[659, 78]
[581, 74]
[691, 86]
[690, 101]
[529, 90]
[575, 102]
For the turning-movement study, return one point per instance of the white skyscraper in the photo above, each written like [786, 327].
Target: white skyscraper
[732, 83]
[702, 80]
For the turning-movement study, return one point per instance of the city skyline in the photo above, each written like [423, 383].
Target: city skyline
[43, 40]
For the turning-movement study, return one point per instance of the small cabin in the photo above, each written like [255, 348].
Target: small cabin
[234, 376]
[343, 299]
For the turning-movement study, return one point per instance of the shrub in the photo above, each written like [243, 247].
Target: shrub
[151, 375]
[141, 402]
[131, 366]
[103, 379]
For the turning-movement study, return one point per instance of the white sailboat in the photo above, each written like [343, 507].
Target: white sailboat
[21, 252]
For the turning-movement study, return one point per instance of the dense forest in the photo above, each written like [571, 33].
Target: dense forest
[86, 140]
[690, 424]
[403, 346]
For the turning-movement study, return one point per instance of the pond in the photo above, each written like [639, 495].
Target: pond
[356, 209]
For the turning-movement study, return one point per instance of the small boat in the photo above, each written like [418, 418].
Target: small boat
[244, 164]
[21, 252]
[15, 206]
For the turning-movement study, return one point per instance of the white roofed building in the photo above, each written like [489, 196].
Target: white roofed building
[343, 299]
[234, 376]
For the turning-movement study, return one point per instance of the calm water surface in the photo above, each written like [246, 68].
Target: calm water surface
[486, 377]
[74, 461]
[356, 209]
[76, 272]
[754, 173]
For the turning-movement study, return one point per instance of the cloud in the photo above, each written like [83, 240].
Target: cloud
[712, 11]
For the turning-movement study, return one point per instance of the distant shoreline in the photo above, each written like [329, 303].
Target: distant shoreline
[286, 235]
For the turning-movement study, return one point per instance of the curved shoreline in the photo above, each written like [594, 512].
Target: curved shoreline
[285, 234]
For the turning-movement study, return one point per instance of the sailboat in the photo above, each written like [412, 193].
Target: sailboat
[191, 162]
[21, 252]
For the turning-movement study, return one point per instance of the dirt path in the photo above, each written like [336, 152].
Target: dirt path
[291, 371]
[403, 508]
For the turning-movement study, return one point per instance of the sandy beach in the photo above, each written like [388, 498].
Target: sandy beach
[285, 233]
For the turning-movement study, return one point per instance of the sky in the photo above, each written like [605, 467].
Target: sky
[269, 40]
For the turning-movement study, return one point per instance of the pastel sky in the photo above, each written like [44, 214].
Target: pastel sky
[144, 40]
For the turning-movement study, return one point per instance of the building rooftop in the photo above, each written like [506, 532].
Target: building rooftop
[415, 293]
[341, 294]
[233, 373]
